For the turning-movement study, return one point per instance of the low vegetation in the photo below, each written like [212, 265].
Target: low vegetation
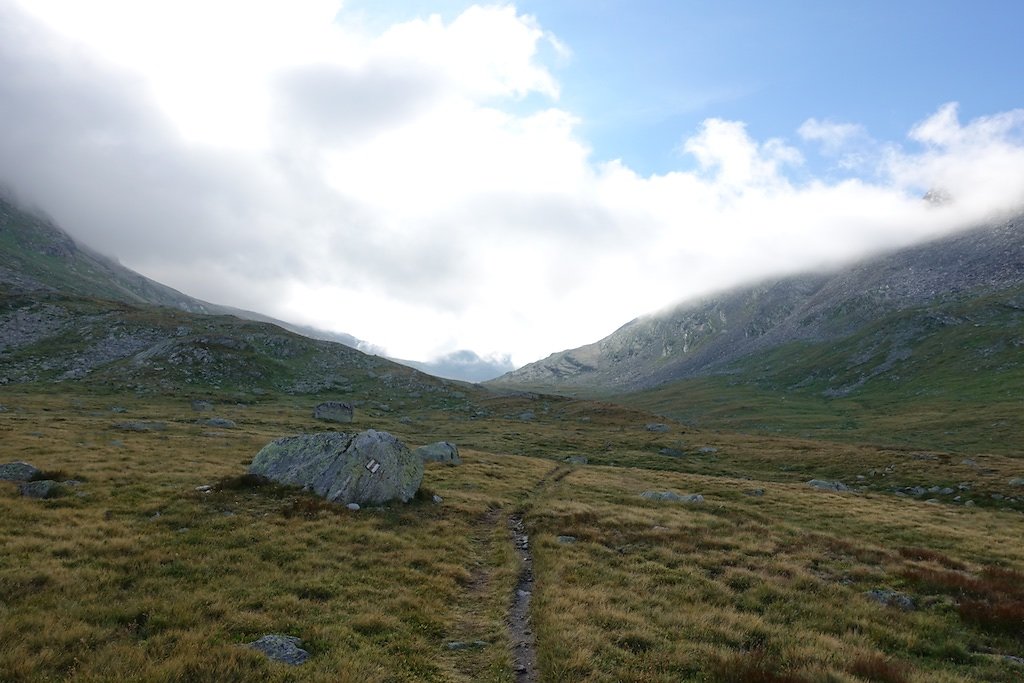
[136, 574]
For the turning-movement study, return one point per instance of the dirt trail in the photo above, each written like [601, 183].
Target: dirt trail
[524, 643]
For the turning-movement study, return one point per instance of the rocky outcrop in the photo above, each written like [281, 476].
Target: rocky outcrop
[284, 649]
[368, 468]
[673, 497]
[823, 485]
[441, 451]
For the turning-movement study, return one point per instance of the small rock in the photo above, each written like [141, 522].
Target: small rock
[997, 496]
[1017, 481]
[118, 409]
[671, 452]
[969, 504]
[440, 451]
[140, 426]
[656, 427]
[836, 486]
[18, 471]
[280, 648]
[437, 499]
[891, 598]
[205, 488]
[672, 497]
[334, 411]
[1019, 661]
[461, 645]
[946, 491]
[354, 507]
[406, 420]
[527, 416]
[933, 501]
[757, 493]
[566, 539]
[577, 460]
[47, 488]
[201, 406]
[707, 449]
[221, 422]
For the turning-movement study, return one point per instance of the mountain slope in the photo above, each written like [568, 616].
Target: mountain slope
[710, 336]
[36, 255]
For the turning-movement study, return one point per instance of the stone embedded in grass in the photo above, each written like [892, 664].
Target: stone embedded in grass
[284, 649]
[566, 539]
[671, 452]
[1017, 481]
[140, 426]
[440, 451]
[18, 471]
[577, 460]
[201, 406]
[891, 598]
[656, 427]
[824, 485]
[463, 645]
[334, 411]
[672, 497]
[221, 422]
[46, 488]
[368, 468]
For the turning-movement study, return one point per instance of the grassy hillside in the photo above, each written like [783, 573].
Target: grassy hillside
[137, 575]
[948, 378]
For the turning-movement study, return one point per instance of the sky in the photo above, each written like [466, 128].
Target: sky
[497, 182]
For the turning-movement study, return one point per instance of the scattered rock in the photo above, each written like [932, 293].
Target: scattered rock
[118, 409]
[836, 486]
[440, 451]
[757, 493]
[46, 488]
[1019, 661]
[284, 649]
[671, 452]
[527, 416]
[566, 539]
[18, 471]
[946, 491]
[891, 598]
[656, 427]
[140, 426]
[1017, 481]
[437, 499]
[205, 488]
[368, 468]
[354, 507]
[707, 449]
[462, 645]
[405, 419]
[577, 460]
[221, 422]
[672, 497]
[334, 411]
[201, 406]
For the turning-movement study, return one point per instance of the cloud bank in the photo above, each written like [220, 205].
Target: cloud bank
[419, 187]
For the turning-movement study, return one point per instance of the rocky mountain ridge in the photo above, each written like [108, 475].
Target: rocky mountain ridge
[710, 336]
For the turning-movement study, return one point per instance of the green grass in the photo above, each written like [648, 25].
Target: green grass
[136, 575]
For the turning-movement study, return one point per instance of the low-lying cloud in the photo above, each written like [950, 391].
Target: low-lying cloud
[420, 188]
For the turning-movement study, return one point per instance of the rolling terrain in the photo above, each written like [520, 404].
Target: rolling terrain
[648, 549]
[930, 336]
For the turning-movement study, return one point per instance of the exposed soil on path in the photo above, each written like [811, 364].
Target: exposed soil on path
[524, 643]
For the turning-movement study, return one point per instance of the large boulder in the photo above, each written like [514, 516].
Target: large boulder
[441, 451]
[334, 411]
[368, 468]
[18, 471]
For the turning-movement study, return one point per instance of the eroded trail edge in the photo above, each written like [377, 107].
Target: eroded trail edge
[523, 640]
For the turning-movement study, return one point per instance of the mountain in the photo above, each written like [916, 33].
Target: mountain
[932, 330]
[69, 314]
[36, 255]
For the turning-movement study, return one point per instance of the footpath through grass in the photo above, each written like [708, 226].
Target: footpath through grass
[136, 575]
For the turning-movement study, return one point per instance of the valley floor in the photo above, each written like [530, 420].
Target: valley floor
[135, 574]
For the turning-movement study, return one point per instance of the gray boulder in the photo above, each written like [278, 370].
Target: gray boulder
[577, 460]
[47, 488]
[221, 422]
[672, 497]
[18, 471]
[440, 451]
[280, 648]
[836, 486]
[368, 468]
[334, 411]
[891, 598]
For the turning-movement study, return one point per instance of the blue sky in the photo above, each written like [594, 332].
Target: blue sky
[510, 179]
[643, 75]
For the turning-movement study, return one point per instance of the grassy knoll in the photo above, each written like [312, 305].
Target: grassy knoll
[136, 575]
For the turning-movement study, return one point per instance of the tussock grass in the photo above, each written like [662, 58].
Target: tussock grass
[138, 575]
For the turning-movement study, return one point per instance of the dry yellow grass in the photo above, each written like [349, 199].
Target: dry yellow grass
[137, 576]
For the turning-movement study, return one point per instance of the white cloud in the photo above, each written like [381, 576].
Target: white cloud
[419, 186]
